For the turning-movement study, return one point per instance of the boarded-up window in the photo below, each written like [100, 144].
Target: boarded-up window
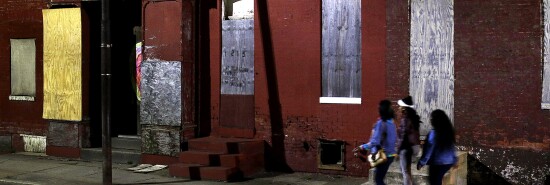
[432, 58]
[62, 64]
[237, 76]
[546, 57]
[341, 51]
[23, 60]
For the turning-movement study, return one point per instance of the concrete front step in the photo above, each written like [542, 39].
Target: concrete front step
[120, 156]
[455, 176]
[126, 142]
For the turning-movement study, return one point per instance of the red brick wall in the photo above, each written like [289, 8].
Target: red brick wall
[498, 87]
[294, 44]
[20, 20]
[398, 49]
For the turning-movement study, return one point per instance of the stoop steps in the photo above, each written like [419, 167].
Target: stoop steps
[222, 159]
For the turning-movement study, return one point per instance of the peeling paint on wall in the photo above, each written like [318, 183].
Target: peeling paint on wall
[517, 166]
[432, 58]
[34, 143]
[163, 140]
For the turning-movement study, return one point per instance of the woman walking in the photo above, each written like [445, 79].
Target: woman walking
[439, 148]
[384, 137]
[408, 142]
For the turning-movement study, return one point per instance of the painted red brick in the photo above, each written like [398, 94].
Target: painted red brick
[398, 50]
[185, 170]
[498, 69]
[21, 20]
[60, 151]
[295, 30]
[158, 159]
[219, 173]
[202, 158]
[162, 37]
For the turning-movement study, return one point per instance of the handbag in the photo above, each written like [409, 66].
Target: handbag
[379, 158]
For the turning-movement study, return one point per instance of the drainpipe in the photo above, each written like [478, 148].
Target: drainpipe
[106, 91]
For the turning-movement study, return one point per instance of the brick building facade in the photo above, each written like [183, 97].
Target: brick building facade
[497, 62]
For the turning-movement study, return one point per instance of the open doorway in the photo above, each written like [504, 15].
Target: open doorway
[125, 33]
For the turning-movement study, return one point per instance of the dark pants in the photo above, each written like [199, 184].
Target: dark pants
[437, 172]
[381, 170]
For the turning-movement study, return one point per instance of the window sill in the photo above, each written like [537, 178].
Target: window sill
[545, 106]
[21, 98]
[339, 100]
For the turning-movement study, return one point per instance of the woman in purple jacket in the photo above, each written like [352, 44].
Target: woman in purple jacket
[408, 144]
[439, 148]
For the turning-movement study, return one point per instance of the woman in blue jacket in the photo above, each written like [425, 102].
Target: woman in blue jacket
[384, 135]
[439, 148]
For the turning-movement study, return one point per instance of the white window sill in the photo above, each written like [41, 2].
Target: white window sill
[545, 106]
[21, 98]
[339, 100]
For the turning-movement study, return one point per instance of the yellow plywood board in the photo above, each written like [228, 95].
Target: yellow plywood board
[62, 64]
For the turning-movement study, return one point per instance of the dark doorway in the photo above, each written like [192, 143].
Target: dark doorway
[125, 33]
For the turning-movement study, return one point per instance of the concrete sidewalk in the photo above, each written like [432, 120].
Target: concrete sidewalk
[33, 169]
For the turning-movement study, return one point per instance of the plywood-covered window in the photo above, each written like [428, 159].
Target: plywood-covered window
[546, 57]
[341, 51]
[23, 62]
[237, 47]
[62, 64]
[432, 58]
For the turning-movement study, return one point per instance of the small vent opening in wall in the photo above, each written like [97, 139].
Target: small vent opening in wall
[331, 155]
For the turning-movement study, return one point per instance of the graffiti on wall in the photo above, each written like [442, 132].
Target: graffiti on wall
[237, 75]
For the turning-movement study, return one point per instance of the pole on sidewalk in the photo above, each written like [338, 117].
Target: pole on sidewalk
[106, 91]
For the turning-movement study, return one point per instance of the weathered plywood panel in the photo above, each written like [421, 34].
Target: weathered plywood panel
[237, 76]
[546, 57]
[62, 64]
[341, 48]
[162, 140]
[161, 93]
[432, 58]
[23, 61]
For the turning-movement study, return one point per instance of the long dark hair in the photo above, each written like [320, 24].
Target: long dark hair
[385, 110]
[413, 116]
[445, 133]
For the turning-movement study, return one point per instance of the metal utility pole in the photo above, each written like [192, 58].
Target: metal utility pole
[106, 91]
